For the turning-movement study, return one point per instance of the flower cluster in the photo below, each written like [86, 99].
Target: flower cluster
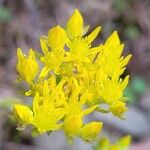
[72, 79]
[121, 144]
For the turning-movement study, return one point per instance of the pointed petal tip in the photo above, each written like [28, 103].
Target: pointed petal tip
[115, 34]
[99, 28]
[20, 54]
[76, 11]
[31, 53]
[19, 51]
[130, 55]
[58, 27]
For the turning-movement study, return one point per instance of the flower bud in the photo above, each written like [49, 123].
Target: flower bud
[27, 66]
[23, 113]
[90, 131]
[75, 25]
[56, 37]
[118, 108]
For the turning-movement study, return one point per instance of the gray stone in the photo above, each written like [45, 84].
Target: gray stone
[57, 141]
[145, 101]
[136, 122]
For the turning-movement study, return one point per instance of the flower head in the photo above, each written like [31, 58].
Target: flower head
[75, 79]
[44, 116]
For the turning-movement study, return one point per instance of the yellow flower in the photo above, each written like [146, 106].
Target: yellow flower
[121, 144]
[80, 48]
[44, 88]
[91, 130]
[44, 116]
[80, 53]
[112, 90]
[27, 66]
[74, 79]
[102, 89]
[52, 59]
[110, 59]
[73, 120]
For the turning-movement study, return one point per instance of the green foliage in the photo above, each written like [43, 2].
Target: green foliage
[119, 5]
[136, 88]
[132, 31]
[139, 85]
[5, 14]
[7, 103]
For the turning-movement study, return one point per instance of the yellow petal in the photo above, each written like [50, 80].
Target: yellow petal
[124, 83]
[93, 35]
[20, 54]
[126, 60]
[29, 69]
[114, 147]
[59, 113]
[103, 144]
[56, 37]
[23, 113]
[72, 125]
[44, 46]
[36, 103]
[44, 73]
[113, 39]
[75, 25]
[31, 54]
[124, 142]
[90, 110]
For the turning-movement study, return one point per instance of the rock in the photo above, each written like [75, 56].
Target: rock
[145, 101]
[141, 146]
[136, 122]
[14, 146]
[57, 141]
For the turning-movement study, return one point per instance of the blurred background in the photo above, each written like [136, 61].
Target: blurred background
[21, 24]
